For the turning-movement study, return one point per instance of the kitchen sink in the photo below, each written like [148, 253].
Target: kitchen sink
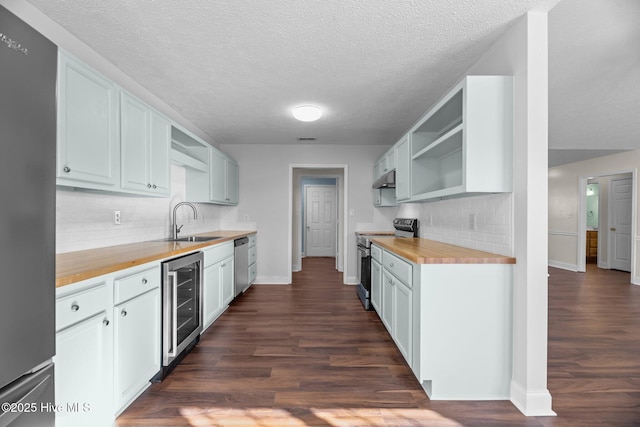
[193, 239]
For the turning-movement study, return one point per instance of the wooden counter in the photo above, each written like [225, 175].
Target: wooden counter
[73, 267]
[424, 251]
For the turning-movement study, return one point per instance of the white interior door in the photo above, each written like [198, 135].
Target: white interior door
[320, 208]
[620, 224]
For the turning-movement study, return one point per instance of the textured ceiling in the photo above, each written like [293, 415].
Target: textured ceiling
[594, 78]
[235, 68]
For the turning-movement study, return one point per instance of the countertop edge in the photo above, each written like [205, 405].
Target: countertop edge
[179, 248]
[414, 251]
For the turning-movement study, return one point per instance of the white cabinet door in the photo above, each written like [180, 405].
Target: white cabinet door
[402, 319]
[83, 373]
[212, 293]
[145, 144]
[403, 169]
[232, 182]
[387, 300]
[376, 285]
[136, 345]
[227, 279]
[218, 176]
[88, 143]
[135, 140]
[160, 156]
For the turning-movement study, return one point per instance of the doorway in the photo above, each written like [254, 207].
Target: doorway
[339, 173]
[606, 214]
[319, 229]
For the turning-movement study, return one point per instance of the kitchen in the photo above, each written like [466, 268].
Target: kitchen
[271, 186]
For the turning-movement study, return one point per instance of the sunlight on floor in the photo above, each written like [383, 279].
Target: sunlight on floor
[339, 417]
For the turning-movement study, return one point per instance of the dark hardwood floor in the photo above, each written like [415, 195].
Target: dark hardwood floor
[309, 355]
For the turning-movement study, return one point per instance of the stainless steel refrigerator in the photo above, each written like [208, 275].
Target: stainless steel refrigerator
[27, 223]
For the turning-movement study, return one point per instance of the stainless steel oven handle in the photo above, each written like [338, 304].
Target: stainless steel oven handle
[174, 316]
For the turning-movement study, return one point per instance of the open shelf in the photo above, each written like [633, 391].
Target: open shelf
[187, 151]
[443, 120]
[440, 166]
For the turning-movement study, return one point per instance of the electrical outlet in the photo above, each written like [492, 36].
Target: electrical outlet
[246, 218]
[116, 217]
[472, 222]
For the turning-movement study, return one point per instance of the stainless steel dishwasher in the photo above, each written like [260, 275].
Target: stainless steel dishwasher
[241, 265]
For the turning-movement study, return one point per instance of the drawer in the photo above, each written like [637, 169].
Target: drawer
[252, 240]
[376, 253]
[398, 267]
[252, 273]
[76, 307]
[252, 255]
[131, 286]
[218, 252]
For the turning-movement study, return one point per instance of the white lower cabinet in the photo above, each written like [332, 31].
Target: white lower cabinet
[397, 311]
[217, 289]
[84, 342]
[107, 344]
[227, 280]
[137, 343]
[386, 313]
[452, 323]
[376, 285]
[403, 319]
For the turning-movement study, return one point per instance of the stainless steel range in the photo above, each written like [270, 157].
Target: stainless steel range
[404, 227]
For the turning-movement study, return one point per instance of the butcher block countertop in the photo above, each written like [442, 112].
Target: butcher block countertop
[424, 251]
[73, 267]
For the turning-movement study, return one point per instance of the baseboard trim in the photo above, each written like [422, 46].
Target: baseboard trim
[531, 403]
[563, 265]
[274, 280]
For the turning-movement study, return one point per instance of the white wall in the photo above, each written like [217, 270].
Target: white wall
[264, 196]
[564, 207]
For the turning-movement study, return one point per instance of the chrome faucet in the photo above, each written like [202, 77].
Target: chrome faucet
[174, 226]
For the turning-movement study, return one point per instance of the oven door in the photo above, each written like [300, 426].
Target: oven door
[364, 277]
[364, 267]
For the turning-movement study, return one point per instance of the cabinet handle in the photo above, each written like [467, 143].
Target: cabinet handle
[613, 229]
[144, 281]
[75, 307]
[105, 322]
[391, 265]
[123, 313]
[154, 186]
[148, 185]
[224, 264]
[67, 169]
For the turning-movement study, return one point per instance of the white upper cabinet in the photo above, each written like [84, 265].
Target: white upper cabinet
[218, 184]
[463, 145]
[403, 169]
[107, 139]
[88, 144]
[224, 179]
[145, 144]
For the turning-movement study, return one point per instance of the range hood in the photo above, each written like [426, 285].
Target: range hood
[388, 180]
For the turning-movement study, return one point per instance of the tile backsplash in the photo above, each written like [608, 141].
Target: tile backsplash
[85, 220]
[480, 222]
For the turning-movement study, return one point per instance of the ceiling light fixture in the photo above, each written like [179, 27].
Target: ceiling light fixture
[307, 113]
